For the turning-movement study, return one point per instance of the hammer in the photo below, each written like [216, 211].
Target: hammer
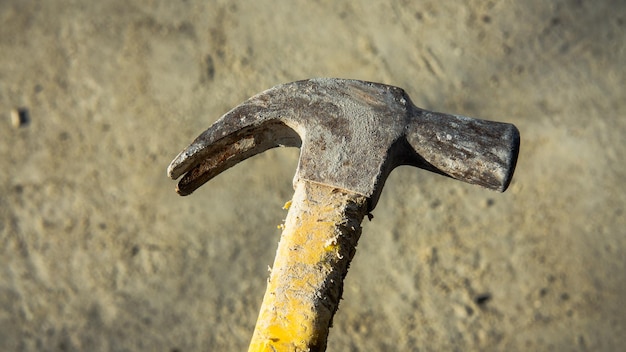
[351, 135]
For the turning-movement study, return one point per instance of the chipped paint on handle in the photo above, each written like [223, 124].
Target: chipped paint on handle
[306, 282]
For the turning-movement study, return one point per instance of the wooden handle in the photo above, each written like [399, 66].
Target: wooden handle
[306, 282]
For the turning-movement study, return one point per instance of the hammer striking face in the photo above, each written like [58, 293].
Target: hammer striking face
[351, 135]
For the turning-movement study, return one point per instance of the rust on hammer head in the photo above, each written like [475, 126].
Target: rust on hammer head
[352, 134]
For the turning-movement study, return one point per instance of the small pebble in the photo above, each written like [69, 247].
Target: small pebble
[482, 298]
[19, 117]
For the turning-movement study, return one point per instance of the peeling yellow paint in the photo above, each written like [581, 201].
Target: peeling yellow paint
[294, 315]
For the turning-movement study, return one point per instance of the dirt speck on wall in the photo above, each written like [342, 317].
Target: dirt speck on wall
[98, 253]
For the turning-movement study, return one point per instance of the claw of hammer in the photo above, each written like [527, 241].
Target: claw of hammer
[352, 134]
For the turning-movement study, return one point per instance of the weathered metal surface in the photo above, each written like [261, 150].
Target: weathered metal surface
[352, 134]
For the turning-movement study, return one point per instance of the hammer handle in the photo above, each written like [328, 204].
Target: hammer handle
[320, 236]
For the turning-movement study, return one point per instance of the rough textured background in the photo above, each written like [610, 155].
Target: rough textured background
[98, 253]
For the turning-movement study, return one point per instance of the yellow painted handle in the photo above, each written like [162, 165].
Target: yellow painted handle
[303, 292]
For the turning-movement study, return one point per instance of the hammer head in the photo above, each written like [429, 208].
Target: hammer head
[352, 134]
